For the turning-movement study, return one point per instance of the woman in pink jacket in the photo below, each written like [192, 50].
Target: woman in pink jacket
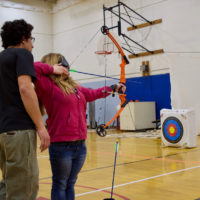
[65, 103]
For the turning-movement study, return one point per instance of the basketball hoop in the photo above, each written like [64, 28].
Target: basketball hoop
[105, 46]
[103, 52]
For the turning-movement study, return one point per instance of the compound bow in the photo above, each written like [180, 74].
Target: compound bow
[124, 61]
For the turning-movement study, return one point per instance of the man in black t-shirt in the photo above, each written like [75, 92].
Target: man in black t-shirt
[20, 116]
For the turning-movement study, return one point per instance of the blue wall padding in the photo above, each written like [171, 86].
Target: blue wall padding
[151, 88]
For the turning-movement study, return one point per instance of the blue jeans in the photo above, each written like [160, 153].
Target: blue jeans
[66, 160]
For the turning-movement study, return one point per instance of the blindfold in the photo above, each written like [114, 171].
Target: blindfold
[63, 61]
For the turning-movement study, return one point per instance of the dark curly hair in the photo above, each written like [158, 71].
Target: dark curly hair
[13, 32]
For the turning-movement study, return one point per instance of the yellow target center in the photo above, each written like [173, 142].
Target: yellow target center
[172, 130]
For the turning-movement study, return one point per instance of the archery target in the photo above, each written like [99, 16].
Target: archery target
[172, 129]
[178, 128]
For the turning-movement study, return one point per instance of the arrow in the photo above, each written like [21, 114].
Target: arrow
[73, 70]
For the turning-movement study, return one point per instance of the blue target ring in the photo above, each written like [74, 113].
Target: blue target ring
[172, 130]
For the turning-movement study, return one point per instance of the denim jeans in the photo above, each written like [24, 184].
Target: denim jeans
[66, 162]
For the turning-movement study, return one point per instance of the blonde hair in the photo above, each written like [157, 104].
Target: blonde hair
[66, 85]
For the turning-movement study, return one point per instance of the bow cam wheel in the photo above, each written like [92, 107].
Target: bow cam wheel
[104, 29]
[101, 130]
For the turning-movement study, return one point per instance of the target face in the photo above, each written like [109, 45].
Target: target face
[172, 129]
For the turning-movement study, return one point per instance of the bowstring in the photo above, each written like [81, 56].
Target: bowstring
[105, 81]
[105, 45]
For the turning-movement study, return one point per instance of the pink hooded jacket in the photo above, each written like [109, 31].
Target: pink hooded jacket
[66, 113]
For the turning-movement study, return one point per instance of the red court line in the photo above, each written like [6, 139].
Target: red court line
[92, 188]
[42, 198]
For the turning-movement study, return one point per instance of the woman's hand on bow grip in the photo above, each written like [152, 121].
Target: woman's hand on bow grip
[121, 88]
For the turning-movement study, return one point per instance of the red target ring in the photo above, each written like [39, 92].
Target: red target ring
[172, 130]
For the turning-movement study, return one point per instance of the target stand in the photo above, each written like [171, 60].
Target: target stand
[178, 128]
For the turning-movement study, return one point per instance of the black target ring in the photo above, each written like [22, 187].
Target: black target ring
[172, 130]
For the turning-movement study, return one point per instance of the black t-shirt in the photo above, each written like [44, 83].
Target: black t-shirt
[13, 63]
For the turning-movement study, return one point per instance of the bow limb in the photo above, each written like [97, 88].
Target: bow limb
[101, 129]
[122, 105]
[124, 58]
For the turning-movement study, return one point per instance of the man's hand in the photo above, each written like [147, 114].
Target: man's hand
[60, 70]
[44, 138]
[121, 88]
[31, 105]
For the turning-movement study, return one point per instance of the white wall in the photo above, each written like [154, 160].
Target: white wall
[183, 38]
[37, 13]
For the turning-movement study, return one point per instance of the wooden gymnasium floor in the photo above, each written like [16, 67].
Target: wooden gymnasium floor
[144, 170]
